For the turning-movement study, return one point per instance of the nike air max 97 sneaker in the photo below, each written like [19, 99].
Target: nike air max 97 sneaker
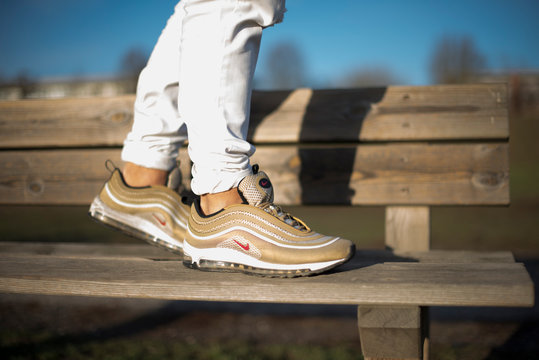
[258, 237]
[156, 214]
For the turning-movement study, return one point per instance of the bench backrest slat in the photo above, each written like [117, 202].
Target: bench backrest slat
[456, 174]
[385, 114]
[71, 122]
[433, 145]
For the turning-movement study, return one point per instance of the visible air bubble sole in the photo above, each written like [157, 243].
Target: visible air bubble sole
[224, 266]
[102, 218]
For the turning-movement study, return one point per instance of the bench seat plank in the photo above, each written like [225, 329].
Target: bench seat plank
[394, 113]
[142, 250]
[386, 283]
[381, 174]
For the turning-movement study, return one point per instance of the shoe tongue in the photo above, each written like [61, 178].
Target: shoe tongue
[256, 189]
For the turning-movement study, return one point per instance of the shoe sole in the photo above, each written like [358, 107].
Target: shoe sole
[228, 260]
[133, 226]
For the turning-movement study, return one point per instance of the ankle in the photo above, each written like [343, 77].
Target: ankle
[211, 203]
[137, 176]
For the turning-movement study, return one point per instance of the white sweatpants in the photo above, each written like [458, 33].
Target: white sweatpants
[197, 86]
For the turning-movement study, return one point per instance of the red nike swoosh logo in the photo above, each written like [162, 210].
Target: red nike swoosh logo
[244, 247]
[162, 222]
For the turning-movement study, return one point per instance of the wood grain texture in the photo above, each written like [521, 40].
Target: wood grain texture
[393, 113]
[394, 332]
[403, 174]
[93, 250]
[393, 283]
[389, 174]
[407, 228]
[391, 332]
[56, 177]
[403, 317]
[439, 112]
[53, 177]
[391, 344]
[95, 121]
[363, 257]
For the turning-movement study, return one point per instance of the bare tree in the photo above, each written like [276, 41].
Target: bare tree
[285, 67]
[131, 64]
[456, 60]
[25, 82]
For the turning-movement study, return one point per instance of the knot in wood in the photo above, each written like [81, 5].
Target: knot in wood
[35, 186]
[118, 118]
[489, 180]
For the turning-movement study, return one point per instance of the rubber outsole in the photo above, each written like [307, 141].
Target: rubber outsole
[224, 266]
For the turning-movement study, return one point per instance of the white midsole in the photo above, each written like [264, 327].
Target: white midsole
[237, 257]
[133, 221]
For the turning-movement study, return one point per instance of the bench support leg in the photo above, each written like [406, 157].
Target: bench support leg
[394, 332]
[408, 228]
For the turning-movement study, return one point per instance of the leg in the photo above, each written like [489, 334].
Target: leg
[248, 233]
[219, 50]
[151, 148]
[128, 202]
[138, 176]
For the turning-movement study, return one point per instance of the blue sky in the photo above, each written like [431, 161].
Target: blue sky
[50, 38]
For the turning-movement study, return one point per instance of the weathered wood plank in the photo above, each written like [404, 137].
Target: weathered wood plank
[88, 250]
[407, 228]
[399, 174]
[393, 113]
[396, 332]
[435, 256]
[53, 177]
[144, 251]
[57, 177]
[390, 344]
[398, 317]
[423, 284]
[95, 121]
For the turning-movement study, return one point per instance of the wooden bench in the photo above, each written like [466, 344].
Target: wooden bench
[405, 148]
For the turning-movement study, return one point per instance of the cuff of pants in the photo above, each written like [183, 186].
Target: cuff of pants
[146, 155]
[216, 181]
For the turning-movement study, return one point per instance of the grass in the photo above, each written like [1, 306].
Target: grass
[47, 346]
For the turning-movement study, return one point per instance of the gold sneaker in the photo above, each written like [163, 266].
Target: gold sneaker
[258, 237]
[156, 214]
